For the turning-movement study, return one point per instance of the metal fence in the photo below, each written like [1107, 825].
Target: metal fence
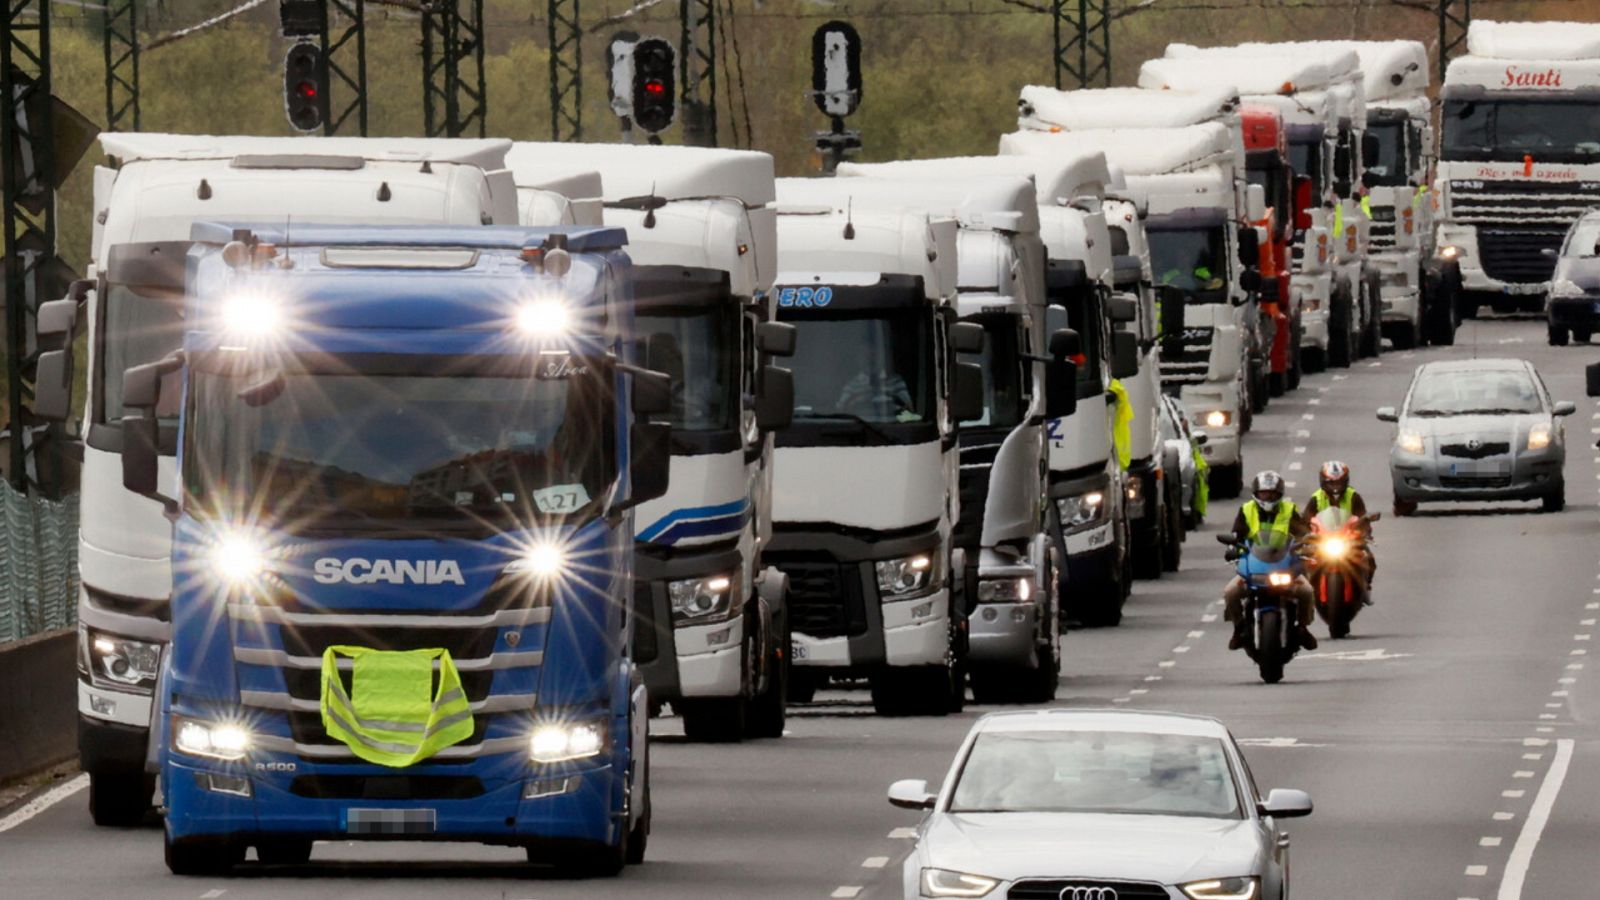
[38, 563]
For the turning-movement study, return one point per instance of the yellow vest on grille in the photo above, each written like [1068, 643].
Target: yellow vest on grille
[392, 716]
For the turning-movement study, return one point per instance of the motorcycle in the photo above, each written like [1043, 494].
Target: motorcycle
[1269, 573]
[1338, 566]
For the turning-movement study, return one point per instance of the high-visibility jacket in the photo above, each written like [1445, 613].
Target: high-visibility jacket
[1202, 481]
[391, 716]
[1277, 531]
[1121, 422]
[1321, 501]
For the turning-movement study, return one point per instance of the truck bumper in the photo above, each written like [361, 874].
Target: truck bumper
[913, 633]
[1006, 633]
[1473, 277]
[1314, 310]
[1402, 304]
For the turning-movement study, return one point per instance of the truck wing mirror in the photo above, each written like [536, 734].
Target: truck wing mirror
[1250, 280]
[265, 391]
[1060, 388]
[1065, 344]
[652, 392]
[1249, 247]
[1370, 148]
[140, 453]
[1122, 309]
[966, 394]
[776, 338]
[1124, 355]
[775, 399]
[1304, 201]
[1591, 375]
[1387, 414]
[57, 319]
[141, 385]
[52, 388]
[649, 462]
[966, 337]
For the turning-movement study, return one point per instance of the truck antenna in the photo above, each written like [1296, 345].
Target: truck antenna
[849, 219]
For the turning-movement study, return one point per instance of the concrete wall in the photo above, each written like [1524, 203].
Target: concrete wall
[38, 702]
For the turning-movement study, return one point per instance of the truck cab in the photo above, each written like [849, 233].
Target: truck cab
[713, 630]
[407, 464]
[146, 198]
[866, 494]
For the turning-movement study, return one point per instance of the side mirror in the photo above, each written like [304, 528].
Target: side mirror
[1388, 414]
[1060, 388]
[1124, 354]
[1122, 309]
[1225, 539]
[1065, 344]
[57, 319]
[1250, 280]
[1249, 247]
[911, 793]
[1374, 516]
[775, 399]
[141, 385]
[140, 453]
[652, 393]
[52, 388]
[1286, 804]
[1591, 377]
[1370, 148]
[966, 393]
[1255, 203]
[649, 461]
[1304, 200]
[776, 338]
[1549, 253]
[1199, 438]
[966, 337]
[1564, 408]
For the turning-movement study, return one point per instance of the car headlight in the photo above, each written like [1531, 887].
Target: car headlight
[1217, 418]
[213, 740]
[1082, 510]
[1222, 889]
[1005, 590]
[124, 662]
[704, 600]
[945, 883]
[1538, 437]
[911, 576]
[1564, 287]
[1409, 441]
[554, 742]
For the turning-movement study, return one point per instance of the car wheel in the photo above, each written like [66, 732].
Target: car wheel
[1555, 502]
[1404, 507]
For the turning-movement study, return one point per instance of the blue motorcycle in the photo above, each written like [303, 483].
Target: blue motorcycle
[1269, 572]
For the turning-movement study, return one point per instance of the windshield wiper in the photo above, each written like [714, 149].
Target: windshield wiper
[1497, 411]
[869, 427]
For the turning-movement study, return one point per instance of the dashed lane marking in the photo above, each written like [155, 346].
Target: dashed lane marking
[1152, 678]
[846, 892]
[213, 894]
[1489, 841]
[1472, 871]
[1196, 634]
[1312, 416]
[1300, 449]
[874, 862]
[1513, 794]
[1302, 433]
[1295, 467]
[1504, 816]
[1533, 826]
[1377, 654]
[903, 834]
[43, 802]
[1209, 617]
[1522, 773]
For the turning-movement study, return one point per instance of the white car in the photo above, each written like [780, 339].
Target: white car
[1179, 440]
[1068, 804]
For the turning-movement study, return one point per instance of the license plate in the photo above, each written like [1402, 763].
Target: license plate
[798, 651]
[390, 821]
[1488, 467]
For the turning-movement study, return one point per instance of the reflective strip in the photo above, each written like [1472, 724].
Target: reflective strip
[272, 615]
[258, 656]
[278, 700]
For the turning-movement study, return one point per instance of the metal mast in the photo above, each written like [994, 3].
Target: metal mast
[453, 92]
[1454, 17]
[697, 71]
[344, 35]
[121, 42]
[566, 71]
[1083, 43]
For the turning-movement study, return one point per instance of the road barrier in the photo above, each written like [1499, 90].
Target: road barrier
[38, 708]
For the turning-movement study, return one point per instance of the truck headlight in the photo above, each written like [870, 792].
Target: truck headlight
[1005, 590]
[124, 662]
[1410, 442]
[213, 740]
[554, 742]
[238, 559]
[1222, 889]
[543, 318]
[255, 316]
[1218, 418]
[907, 577]
[698, 601]
[1082, 510]
[1538, 437]
[542, 561]
[945, 883]
[1450, 251]
[1135, 498]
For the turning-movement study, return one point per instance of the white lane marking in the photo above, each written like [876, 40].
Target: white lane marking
[1300, 449]
[1288, 484]
[1314, 401]
[1504, 816]
[1566, 681]
[43, 802]
[1121, 699]
[1488, 842]
[1591, 606]
[1522, 773]
[1340, 377]
[1512, 795]
[1575, 667]
[1559, 693]
[1579, 651]
[1181, 649]
[1302, 433]
[213, 894]
[1152, 678]
[1533, 757]
[1534, 742]
[1548, 716]
[1324, 389]
[1295, 466]
[1474, 871]
[1554, 705]
[1167, 663]
[1311, 417]
[1544, 729]
[1585, 621]
[874, 862]
[1581, 637]
[1533, 826]
[1196, 634]
[1208, 618]
[902, 834]
[845, 892]
[1377, 654]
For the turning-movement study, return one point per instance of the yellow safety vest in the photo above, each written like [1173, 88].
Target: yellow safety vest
[394, 718]
[1121, 420]
[1277, 530]
[1366, 205]
[1202, 481]
[1321, 501]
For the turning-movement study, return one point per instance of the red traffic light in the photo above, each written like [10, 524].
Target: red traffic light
[306, 90]
[654, 87]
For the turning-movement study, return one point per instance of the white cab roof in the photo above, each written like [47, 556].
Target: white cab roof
[673, 173]
[1380, 62]
[1534, 40]
[1057, 180]
[1068, 720]
[1136, 151]
[1245, 72]
[1045, 108]
[998, 202]
[560, 198]
[129, 146]
[813, 247]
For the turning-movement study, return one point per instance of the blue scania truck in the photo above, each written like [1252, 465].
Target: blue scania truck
[403, 542]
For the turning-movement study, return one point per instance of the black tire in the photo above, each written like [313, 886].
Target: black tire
[286, 852]
[1555, 502]
[1558, 336]
[1278, 384]
[1469, 304]
[202, 857]
[768, 712]
[1339, 341]
[1404, 508]
[919, 691]
[596, 861]
[803, 685]
[719, 720]
[119, 800]
[1372, 328]
[1313, 360]
[1337, 613]
[1405, 336]
[1581, 335]
[1296, 365]
[1269, 652]
[1147, 559]
[1044, 681]
[1227, 482]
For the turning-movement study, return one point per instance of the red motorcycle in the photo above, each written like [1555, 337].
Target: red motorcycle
[1338, 567]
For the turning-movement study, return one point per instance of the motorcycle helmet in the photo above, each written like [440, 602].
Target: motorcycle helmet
[1335, 477]
[1267, 489]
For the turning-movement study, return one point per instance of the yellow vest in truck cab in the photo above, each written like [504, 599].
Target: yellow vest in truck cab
[392, 715]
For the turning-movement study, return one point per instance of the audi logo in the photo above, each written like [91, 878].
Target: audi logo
[1087, 893]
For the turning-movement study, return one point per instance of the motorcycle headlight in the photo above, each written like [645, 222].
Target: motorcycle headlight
[554, 742]
[1335, 548]
[1279, 579]
[124, 662]
[1222, 889]
[1410, 442]
[1005, 590]
[945, 883]
[226, 741]
[1538, 437]
[906, 577]
[698, 601]
[1082, 510]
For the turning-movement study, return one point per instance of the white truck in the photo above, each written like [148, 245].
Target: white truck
[152, 189]
[1519, 155]
[1319, 94]
[711, 630]
[866, 493]
[1185, 178]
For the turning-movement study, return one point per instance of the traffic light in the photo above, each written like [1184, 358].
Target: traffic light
[305, 78]
[836, 68]
[655, 68]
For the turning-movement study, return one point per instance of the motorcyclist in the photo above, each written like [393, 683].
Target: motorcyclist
[1267, 516]
[1334, 490]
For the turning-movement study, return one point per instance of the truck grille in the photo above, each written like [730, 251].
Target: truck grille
[976, 465]
[1383, 232]
[1514, 203]
[1186, 356]
[824, 598]
[1482, 451]
[1056, 889]
[1513, 255]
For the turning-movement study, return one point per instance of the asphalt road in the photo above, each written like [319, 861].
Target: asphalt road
[1449, 744]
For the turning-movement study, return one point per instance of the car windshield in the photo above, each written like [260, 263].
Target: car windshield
[699, 348]
[1512, 129]
[136, 328]
[1390, 168]
[1481, 392]
[422, 442]
[1129, 773]
[1305, 158]
[1005, 375]
[875, 366]
[1192, 259]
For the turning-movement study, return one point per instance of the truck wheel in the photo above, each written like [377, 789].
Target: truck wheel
[919, 691]
[1405, 335]
[1558, 336]
[1147, 558]
[1278, 383]
[1339, 340]
[202, 857]
[1372, 326]
[119, 800]
[1313, 360]
[768, 711]
[1227, 481]
[1581, 335]
[802, 685]
[719, 720]
[1172, 551]
[284, 852]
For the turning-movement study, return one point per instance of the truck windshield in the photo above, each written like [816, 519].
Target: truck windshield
[1191, 259]
[1510, 129]
[1005, 375]
[875, 366]
[1274, 181]
[135, 328]
[699, 348]
[1391, 168]
[417, 443]
[1305, 158]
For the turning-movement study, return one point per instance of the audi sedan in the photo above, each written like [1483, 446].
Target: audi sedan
[1068, 804]
[1478, 430]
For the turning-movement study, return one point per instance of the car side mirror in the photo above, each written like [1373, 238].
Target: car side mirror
[1591, 377]
[1124, 354]
[776, 338]
[1282, 803]
[1564, 408]
[652, 392]
[1388, 414]
[912, 793]
[1199, 438]
[775, 399]
[649, 462]
[1060, 388]
[1065, 344]
[1549, 253]
[966, 394]
[1122, 309]
[1249, 247]
[966, 337]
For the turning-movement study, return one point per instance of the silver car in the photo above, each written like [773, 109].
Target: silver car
[1480, 429]
[1178, 441]
[1068, 804]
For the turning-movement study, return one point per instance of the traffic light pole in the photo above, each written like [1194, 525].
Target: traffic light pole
[566, 71]
[697, 71]
[1083, 43]
[1454, 17]
[453, 96]
[121, 43]
[30, 208]
[344, 34]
